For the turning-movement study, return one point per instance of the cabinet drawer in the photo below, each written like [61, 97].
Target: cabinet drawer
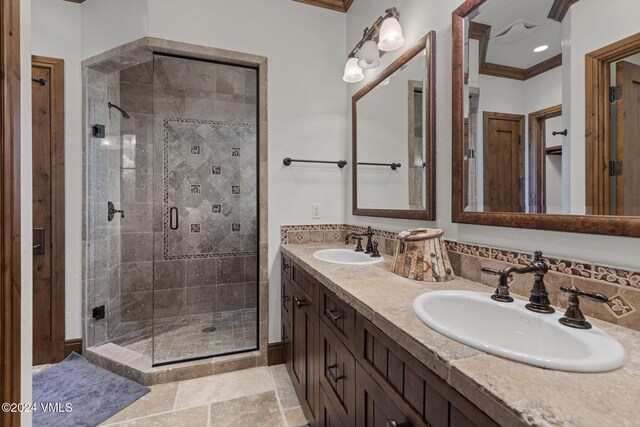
[285, 266]
[286, 301]
[337, 376]
[309, 286]
[340, 317]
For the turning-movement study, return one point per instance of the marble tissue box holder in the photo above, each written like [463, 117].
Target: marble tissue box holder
[422, 255]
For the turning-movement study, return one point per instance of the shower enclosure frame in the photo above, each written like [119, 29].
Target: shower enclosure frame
[123, 57]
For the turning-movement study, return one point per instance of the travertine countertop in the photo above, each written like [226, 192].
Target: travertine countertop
[512, 393]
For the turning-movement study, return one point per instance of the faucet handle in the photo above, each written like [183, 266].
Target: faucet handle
[573, 316]
[359, 245]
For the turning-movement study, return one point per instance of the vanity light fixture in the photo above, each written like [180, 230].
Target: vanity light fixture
[384, 35]
[352, 71]
[541, 48]
[369, 56]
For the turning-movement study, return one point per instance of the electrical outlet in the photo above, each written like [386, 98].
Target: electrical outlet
[315, 211]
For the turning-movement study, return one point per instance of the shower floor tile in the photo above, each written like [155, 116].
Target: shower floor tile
[184, 337]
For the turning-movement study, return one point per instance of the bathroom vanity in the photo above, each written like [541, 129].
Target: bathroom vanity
[358, 356]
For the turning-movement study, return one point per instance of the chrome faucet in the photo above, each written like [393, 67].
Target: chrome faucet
[539, 299]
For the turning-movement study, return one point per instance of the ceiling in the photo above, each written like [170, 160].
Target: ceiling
[500, 14]
[339, 5]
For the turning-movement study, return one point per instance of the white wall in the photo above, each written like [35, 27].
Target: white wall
[26, 216]
[108, 24]
[56, 33]
[419, 16]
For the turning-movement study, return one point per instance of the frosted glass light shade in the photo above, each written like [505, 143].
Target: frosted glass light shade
[369, 55]
[390, 35]
[352, 71]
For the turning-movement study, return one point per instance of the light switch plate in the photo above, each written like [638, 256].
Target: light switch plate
[315, 211]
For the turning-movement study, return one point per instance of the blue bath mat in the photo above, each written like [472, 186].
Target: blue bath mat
[76, 392]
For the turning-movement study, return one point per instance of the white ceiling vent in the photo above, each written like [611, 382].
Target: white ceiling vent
[515, 32]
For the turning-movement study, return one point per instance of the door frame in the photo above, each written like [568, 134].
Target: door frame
[486, 117]
[10, 244]
[597, 137]
[56, 239]
[538, 155]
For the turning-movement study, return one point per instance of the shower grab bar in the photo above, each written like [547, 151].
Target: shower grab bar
[288, 160]
[393, 166]
[173, 225]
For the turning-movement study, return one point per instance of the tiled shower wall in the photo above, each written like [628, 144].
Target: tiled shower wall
[101, 238]
[622, 286]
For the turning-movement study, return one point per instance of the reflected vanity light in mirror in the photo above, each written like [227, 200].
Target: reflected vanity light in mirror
[541, 48]
[352, 71]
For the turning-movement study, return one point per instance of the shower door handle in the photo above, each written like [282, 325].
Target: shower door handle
[173, 218]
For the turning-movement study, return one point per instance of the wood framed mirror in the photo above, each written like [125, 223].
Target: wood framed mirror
[393, 133]
[538, 143]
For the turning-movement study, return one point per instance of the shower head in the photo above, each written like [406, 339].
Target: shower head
[125, 115]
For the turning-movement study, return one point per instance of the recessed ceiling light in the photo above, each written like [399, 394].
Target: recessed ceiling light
[541, 48]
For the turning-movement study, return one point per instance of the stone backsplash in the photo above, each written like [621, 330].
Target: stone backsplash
[621, 285]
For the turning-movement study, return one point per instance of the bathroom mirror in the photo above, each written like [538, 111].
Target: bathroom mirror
[394, 138]
[546, 124]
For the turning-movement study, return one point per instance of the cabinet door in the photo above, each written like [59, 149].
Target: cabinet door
[328, 415]
[373, 407]
[305, 354]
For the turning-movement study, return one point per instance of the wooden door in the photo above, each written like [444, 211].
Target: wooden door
[503, 162]
[628, 139]
[48, 210]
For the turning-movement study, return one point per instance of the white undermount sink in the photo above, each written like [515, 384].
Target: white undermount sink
[346, 256]
[513, 332]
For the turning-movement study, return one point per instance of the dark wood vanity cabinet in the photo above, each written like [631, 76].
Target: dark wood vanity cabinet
[347, 372]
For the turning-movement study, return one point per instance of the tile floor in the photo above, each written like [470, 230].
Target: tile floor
[182, 337]
[261, 397]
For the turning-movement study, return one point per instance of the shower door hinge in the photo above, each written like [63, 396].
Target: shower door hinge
[98, 312]
[615, 167]
[615, 93]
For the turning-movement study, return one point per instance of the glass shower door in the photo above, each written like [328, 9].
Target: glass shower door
[205, 209]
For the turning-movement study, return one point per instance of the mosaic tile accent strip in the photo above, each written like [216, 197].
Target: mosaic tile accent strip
[619, 306]
[213, 218]
[617, 276]
[580, 269]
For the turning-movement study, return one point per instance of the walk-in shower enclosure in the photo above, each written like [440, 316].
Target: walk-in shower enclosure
[175, 276]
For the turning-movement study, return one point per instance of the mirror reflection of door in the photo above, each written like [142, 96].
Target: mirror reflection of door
[627, 138]
[503, 160]
[545, 160]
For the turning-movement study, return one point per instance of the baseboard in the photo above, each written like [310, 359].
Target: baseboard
[73, 345]
[275, 353]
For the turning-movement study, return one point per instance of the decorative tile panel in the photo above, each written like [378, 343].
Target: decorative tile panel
[572, 268]
[191, 147]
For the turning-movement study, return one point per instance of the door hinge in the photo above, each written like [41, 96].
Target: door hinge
[520, 182]
[615, 167]
[470, 153]
[615, 93]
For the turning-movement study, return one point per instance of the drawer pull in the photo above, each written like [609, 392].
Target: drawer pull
[299, 302]
[285, 266]
[393, 423]
[329, 369]
[334, 318]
